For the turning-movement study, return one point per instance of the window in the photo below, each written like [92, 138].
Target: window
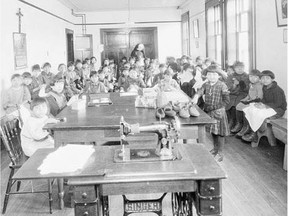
[185, 27]
[238, 32]
[214, 33]
[229, 34]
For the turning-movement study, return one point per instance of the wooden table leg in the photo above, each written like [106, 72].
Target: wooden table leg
[201, 134]
[60, 183]
[285, 158]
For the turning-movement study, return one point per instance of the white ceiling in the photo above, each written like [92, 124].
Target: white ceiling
[108, 5]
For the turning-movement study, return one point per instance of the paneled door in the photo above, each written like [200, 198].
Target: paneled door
[120, 42]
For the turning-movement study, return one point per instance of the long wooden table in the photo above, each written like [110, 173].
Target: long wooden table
[101, 124]
[197, 175]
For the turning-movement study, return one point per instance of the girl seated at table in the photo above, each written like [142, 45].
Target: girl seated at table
[55, 96]
[94, 86]
[167, 84]
[33, 137]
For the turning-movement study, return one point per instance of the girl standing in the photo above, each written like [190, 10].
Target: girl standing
[216, 98]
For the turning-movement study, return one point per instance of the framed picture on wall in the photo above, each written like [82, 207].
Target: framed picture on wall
[281, 12]
[20, 50]
[196, 28]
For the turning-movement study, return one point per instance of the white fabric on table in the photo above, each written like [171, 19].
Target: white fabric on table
[68, 158]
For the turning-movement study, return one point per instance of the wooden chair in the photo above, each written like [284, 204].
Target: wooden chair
[10, 135]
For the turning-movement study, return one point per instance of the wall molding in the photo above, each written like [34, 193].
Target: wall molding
[45, 11]
[120, 23]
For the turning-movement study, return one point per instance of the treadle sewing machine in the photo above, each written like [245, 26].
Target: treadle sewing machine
[167, 135]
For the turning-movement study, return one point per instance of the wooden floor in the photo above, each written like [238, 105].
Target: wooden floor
[256, 185]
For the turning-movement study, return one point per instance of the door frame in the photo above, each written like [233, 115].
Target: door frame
[69, 31]
[127, 30]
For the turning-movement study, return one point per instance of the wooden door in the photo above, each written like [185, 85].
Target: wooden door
[120, 42]
[70, 45]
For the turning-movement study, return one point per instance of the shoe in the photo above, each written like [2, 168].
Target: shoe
[176, 107]
[219, 157]
[236, 128]
[193, 111]
[245, 129]
[251, 137]
[213, 152]
[169, 111]
[160, 113]
[184, 112]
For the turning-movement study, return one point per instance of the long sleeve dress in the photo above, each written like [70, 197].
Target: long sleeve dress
[216, 99]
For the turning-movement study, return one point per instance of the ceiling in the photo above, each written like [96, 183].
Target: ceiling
[109, 5]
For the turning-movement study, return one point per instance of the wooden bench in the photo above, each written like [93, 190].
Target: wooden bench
[274, 129]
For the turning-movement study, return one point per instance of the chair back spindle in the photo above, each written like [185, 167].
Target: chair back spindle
[10, 131]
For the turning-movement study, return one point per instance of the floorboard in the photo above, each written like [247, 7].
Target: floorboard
[256, 185]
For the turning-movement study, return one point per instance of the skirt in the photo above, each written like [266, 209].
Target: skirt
[221, 127]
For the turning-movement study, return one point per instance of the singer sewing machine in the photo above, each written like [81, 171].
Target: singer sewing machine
[163, 150]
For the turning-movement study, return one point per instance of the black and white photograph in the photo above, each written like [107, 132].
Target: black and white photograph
[143, 107]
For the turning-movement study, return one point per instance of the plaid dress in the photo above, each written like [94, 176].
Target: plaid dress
[216, 98]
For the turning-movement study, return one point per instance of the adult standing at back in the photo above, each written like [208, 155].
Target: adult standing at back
[138, 51]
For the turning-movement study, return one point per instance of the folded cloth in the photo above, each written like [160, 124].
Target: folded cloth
[256, 116]
[68, 158]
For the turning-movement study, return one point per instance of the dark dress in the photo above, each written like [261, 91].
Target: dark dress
[274, 97]
[240, 91]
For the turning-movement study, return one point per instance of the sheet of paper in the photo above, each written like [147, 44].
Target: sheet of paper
[68, 158]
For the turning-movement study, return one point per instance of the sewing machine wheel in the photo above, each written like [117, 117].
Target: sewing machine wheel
[181, 204]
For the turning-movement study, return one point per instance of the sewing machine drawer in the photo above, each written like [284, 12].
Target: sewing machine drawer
[209, 205]
[84, 194]
[85, 209]
[209, 188]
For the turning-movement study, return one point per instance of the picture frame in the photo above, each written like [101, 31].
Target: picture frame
[281, 12]
[196, 28]
[20, 50]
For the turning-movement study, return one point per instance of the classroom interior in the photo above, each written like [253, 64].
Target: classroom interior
[256, 183]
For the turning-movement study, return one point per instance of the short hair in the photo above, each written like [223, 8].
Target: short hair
[268, 73]
[70, 63]
[78, 61]
[26, 75]
[199, 58]
[255, 72]
[62, 64]
[175, 67]
[37, 101]
[100, 71]
[92, 73]
[55, 79]
[213, 68]
[36, 67]
[238, 64]
[168, 71]
[93, 57]
[162, 65]
[15, 76]
[86, 59]
[184, 57]
[46, 64]
[84, 62]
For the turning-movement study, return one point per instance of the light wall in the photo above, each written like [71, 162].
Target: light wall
[45, 35]
[167, 21]
[196, 10]
[271, 51]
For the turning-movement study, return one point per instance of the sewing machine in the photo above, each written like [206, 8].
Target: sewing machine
[167, 135]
